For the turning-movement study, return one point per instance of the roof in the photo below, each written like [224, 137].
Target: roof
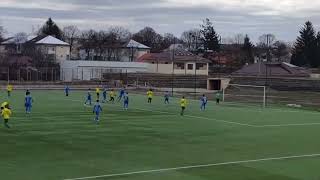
[50, 40]
[135, 44]
[273, 70]
[180, 55]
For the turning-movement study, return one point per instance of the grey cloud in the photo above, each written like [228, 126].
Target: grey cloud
[135, 14]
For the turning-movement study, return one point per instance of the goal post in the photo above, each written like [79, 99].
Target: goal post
[245, 94]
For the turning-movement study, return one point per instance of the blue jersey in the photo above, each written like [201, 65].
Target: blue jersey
[67, 89]
[104, 93]
[204, 100]
[89, 95]
[28, 100]
[121, 92]
[126, 99]
[97, 108]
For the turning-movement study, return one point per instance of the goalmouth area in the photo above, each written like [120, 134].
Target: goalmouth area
[236, 139]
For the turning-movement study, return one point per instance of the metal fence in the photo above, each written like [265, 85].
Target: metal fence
[29, 74]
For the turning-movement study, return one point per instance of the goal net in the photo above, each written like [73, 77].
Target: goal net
[245, 94]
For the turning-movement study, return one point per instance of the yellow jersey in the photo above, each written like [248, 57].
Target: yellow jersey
[9, 88]
[97, 90]
[150, 94]
[6, 113]
[4, 104]
[112, 94]
[183, 102]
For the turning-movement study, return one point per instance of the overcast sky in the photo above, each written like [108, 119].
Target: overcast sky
[283, 18]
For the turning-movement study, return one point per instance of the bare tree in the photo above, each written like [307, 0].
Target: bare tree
[281, 51]
[120, 33]
[21, 37]
[168, 40]
[87, 41]
[190, 37]
[239, 39]
[149, 37]
[266, 40]
[70, 34]
[1, 33]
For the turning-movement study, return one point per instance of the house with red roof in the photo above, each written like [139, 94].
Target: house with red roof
[176, 61]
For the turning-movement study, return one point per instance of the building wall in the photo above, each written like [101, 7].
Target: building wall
[167, 69]
[59, 53]
[2, 49]
[62, 53]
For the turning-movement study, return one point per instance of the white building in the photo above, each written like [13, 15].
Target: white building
[53, 48]
[90, 70]
[124, 51]
[178, 61]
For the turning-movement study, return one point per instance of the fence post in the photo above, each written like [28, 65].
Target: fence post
[46, 73]
[72, 75]
[51, 74]
[82, 74]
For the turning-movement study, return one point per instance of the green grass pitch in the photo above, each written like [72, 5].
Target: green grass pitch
[59, 141]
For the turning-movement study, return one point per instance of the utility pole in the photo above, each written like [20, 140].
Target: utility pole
[195, 68]
[173, 57]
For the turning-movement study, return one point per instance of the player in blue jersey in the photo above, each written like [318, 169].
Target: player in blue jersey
[126, 101]
[67, 90]
[121, 94]
[97, 109]
[203, 101]
[28, 102]
[104, 94]
[89, 98]
[166, 97]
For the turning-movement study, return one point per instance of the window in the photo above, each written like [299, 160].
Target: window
[201, 66]
[190, 66]
[179, 66]
[166, 63]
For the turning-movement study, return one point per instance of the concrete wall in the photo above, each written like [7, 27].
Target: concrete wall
[88, 70]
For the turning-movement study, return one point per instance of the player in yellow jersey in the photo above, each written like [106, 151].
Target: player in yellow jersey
[98, 93]
[5, 105]
[150, 96]
[183, 104]
[9, 89]
[6, 113]
[112, 95]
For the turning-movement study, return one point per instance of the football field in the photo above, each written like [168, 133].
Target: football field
[59, 141]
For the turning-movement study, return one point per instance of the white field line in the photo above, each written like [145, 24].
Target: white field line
[196, 166]
[198, 117]
[287, 125]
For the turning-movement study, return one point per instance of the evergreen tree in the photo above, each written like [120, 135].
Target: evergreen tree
[52, 29]
[247, 50]
[305, 49]
[209, 36]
